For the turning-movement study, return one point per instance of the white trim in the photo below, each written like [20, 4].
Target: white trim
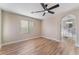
[0, 28]
[25, 40]
[51, 38]
[17, 41]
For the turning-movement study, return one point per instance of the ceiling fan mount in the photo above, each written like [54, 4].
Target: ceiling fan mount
[47, 10]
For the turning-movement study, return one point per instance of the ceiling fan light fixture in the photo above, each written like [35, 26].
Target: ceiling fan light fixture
[46, 11]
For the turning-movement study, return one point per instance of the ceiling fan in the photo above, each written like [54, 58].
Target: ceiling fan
[47, 10]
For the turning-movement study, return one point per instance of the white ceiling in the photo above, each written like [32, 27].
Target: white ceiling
[27, 8]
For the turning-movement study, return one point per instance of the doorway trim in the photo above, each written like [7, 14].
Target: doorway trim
[75, 22]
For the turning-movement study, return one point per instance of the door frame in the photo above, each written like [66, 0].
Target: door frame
[75, 22]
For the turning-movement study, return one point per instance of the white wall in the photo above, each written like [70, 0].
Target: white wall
[0, 28]
[51, 25]
[11, 28]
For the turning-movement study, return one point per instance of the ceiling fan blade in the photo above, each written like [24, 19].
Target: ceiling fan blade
[38, 11]
[42, 4]
[55, 6]
[44, 13]
[46, 5]
[51, 12]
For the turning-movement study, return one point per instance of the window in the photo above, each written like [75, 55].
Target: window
[31, 26]
[24, 26]
[27, 26]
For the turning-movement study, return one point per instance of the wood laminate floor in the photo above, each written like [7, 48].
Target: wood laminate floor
[70, 48]
[38, 46]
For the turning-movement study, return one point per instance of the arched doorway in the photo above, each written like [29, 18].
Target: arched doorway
[68, 32]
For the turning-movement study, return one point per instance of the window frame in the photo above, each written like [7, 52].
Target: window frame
[28, 27]
[22, 28]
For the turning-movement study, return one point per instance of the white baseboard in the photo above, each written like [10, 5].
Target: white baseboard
[17, 41]
[27, 39]
[51, 38]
